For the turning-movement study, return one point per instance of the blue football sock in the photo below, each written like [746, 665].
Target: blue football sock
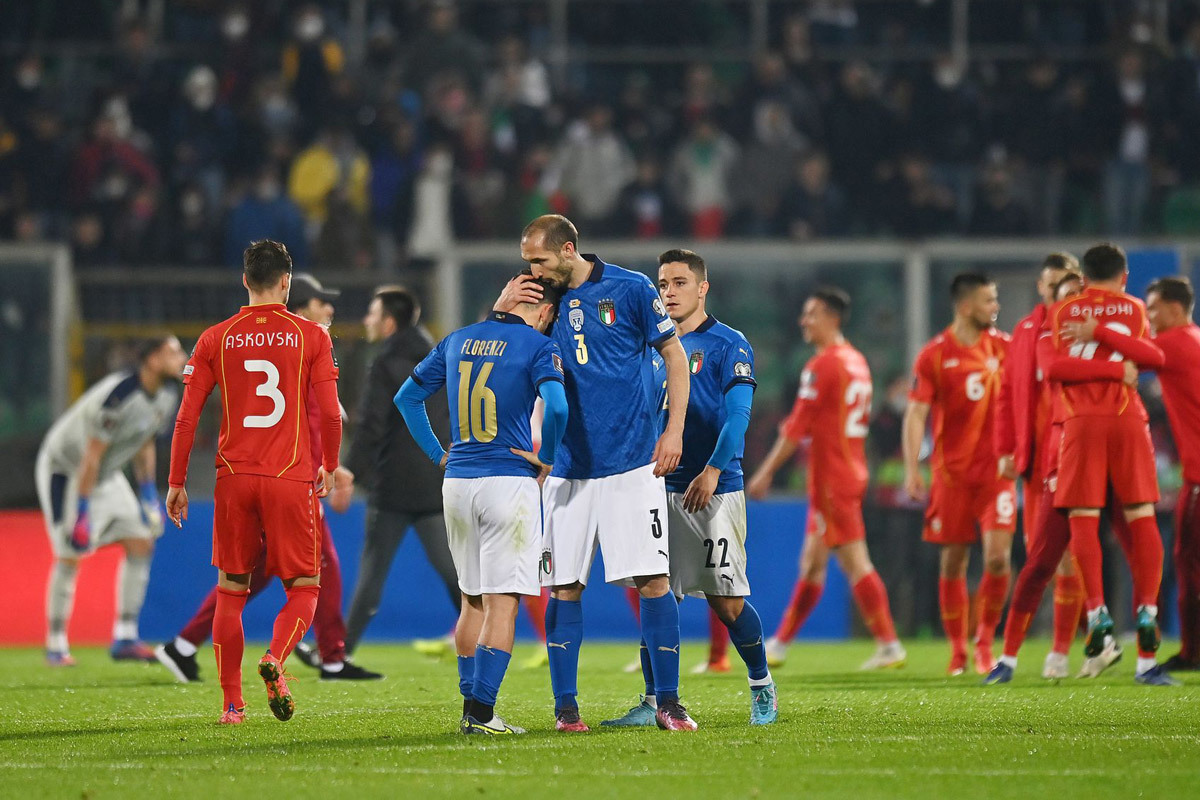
[660, 632]
[466, 678]
[746, 633]
[490, 666]
[647, 668]
[564, 634]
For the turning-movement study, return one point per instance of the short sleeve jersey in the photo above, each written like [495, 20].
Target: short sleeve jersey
[264, 359]
[833, 409]
[116, 411]
[491, 371]
[1115, 310]
[962, 385]
[1180, 379]
[606, 329]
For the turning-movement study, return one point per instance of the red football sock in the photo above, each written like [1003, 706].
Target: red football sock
[294, 620]
[229, 642]
[634, 598]
[804, 599]
[1147, 562]
[1068, 599]
[993, 589]
[535, 605]
[952, 599]
[871, 596]
[1085, 546]
[718, 638]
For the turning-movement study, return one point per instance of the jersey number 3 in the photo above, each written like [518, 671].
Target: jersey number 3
[268, 388]
[476, 404]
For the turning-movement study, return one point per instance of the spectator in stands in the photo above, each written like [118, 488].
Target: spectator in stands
[433, 214]
[481, 170]
[702, 97]
[143, 79]
[107, 169]
[812, 207]
[310, 61]
[1184, 99]
[1079, 120]
[332, 168]
[762, 171]
[1030, 130]
[643, 121]
[771, 83]
[518, 77]
[442, 48]
[238, 66]
[1132, 119]
[42, 169]
[591, 168]
[88, 240]
[646, 209]
[263, 211]
[919, 204]
[700, 178]
[203, 135]
[948, 125]
[997, 211]
[857, 129]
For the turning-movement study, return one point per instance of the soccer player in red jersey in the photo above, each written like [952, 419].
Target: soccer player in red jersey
[1106, 442]
[832, 409]
[957, 377]
[1022, 428]
[267, 363]
[1169, 304]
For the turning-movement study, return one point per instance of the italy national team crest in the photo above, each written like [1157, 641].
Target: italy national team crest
[696, 361]
[546, 564]
[608, 312]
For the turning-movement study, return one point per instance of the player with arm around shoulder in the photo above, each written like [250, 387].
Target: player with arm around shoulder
[494, 370]
[832, 407]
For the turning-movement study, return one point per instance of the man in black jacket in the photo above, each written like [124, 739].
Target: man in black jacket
[405, 489]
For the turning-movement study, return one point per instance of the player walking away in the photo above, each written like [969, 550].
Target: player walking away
[957, 376]
[495, 369]
[832, 408]
[1106, 442]
[1022, 426]
[88, 502]
[1169, 305]
[308, 299]
[606, 489]
[706, 503]
[266, 362]
[404, 489]
[1051, 534]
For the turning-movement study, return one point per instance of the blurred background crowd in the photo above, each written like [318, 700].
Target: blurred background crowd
[368, 134]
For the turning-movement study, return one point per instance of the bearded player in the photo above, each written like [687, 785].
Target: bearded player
[957, 378]
[832, 409]
[266, 363]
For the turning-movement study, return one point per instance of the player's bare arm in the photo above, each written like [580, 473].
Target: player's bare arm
[782, 451]
[543, 469]
[144, 463]
[700, 491]
[343, 490]
[521, 289]
[913, 433]
[669, 448]
[177, 505]
[89, 468]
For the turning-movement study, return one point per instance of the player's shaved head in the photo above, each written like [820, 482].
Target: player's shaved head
[264, 262]
[835, 300]
[556, 231]
[1105, 262]
[692, 259]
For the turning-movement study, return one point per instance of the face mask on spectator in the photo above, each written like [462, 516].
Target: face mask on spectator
[309, 27]
[201, 88]
[235, 26]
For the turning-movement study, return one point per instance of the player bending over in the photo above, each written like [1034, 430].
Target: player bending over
[266, 362]
[832, 408]
[705, 502]
[87, 500]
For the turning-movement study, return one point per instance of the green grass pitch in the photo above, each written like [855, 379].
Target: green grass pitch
[122, 730]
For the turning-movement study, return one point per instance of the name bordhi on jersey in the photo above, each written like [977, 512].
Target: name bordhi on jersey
[1114, 310]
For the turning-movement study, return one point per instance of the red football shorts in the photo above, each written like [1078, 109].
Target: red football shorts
[836, 519]
[256, 512]
[1098, 451]
[956, 509]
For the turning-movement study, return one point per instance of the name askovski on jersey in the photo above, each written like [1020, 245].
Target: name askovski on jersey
[262, 339]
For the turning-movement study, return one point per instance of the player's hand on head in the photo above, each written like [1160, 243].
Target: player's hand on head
[667, 452]
[1131, 374]
[1006, 467]
[177, 505]
[700, 491]
[521, 289]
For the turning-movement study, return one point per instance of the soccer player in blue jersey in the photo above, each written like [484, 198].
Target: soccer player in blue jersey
[606, 489]
[707, 507]
[494, 371]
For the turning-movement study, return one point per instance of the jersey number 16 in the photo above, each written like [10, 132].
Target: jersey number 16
[476, 404]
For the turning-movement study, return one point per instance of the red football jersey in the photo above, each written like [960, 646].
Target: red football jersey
[1119, 312]
[265, 360]
[962, 385]
[1180, 379]
[833, 407]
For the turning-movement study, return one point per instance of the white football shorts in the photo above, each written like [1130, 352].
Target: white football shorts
[494, 529]
[708, 548]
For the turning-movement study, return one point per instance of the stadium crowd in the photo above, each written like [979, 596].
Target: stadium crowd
[239, 122]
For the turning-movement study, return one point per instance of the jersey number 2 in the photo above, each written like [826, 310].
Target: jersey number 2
[476, 404]
[268, 388]
[858, 409]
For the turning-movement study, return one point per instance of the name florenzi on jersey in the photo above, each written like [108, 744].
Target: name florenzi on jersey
[262, 339]
[483, 347]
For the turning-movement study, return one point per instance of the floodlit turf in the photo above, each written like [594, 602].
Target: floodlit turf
[120, 730]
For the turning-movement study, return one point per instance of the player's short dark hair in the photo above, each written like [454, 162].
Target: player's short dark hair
[1061, 260]
[150, 345]
[264, 262]
[835, 299]
[693, 260]
[1104, 262]
[552, 294]
[556, 230]
[1175, 290]
[964, 284]
[1064, 280]
[398, 303]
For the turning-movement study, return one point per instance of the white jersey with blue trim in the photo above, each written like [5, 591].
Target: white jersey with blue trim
[607, 329]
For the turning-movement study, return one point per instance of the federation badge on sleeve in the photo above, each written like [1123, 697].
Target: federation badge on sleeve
[742, 369]
[575, 318]
[696, 361]
[608, 312]
[556, 359]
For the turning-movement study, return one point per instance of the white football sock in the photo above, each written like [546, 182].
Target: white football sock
[132, 579]
[184, 647]
[60, 595]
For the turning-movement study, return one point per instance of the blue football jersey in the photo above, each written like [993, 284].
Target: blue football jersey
[491, 371]
[719, 358]
[607, 329]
